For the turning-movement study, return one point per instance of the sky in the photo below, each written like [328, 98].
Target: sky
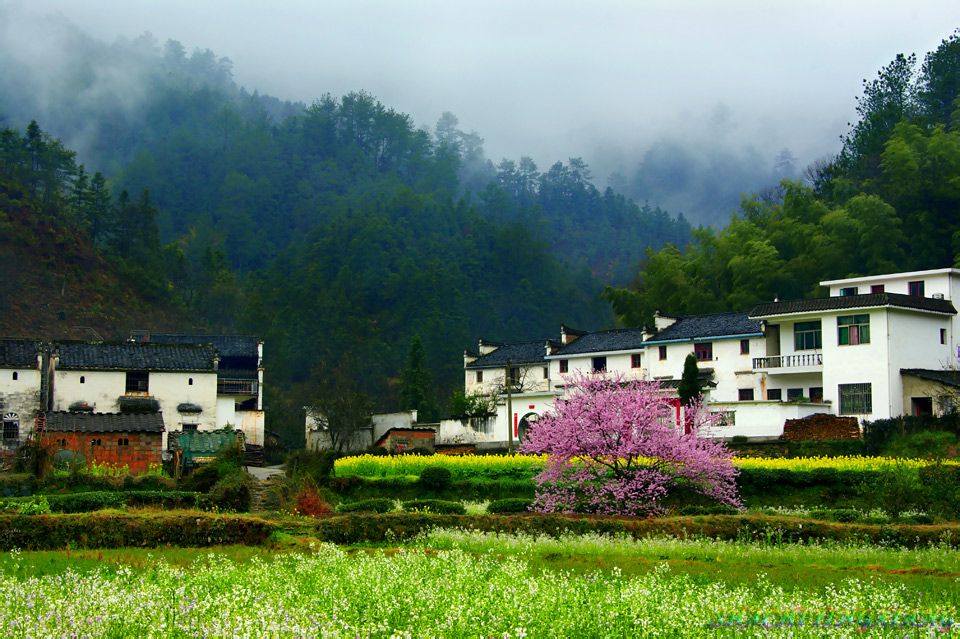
[603, 80]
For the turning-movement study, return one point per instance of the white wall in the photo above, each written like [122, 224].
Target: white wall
[20, 396]
[914, 342]
[762, 418]
[861, 363]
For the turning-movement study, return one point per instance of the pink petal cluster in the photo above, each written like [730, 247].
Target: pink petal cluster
[613, 446]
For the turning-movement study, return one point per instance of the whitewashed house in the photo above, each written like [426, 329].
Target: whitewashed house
[878, 347]
[178, 380]
[239, 388]
[21, 363]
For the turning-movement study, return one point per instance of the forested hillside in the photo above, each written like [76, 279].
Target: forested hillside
[889, 202]
[55, 282]
[337, 231]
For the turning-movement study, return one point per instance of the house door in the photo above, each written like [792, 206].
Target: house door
[921, 405]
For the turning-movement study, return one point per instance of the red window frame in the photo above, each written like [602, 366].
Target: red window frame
[564, 366]
[703, 351]
[635, 360]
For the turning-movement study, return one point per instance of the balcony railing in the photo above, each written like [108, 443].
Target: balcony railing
[788, 361]
[236, 387]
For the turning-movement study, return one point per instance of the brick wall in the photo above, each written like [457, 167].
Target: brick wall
[139, 451]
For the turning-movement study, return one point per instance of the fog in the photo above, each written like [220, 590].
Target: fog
[710, 85]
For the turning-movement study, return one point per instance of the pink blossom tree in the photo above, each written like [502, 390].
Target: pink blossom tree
[613, 446]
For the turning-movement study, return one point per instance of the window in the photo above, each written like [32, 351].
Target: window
[943, 336]
[853, 330]
[190, 426]
[190, 382]
[816, 393]
[774, 394]
[138, 382]
[856, 399]
[807, 336]
[564, 366]
[663, 353]
[122, 442]
[635, 360]
[546, 372]
[746, 394]
[703, 351]
[599, 364]
[794, 393]
[514, 376]
[15, 375]
[11, 427]
[83, 380]
[848, 291]
[876, 288]
[479, 377]
[915, 288]
[726, 418]
[744, 347]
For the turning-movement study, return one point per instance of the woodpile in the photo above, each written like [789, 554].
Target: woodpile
[820, 427]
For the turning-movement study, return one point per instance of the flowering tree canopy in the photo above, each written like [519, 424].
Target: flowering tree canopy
[613, 446]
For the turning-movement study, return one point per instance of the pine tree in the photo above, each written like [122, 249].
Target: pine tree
[416, 385]
[689, 388]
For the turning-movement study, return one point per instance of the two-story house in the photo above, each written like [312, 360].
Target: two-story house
[21, 365]
[177, 380]
[239, 388]
[878, 347]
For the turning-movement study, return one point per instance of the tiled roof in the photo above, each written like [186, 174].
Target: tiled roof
[868, 300]
[134, 356]
[617, 339]
[947, 377]
[226, 345]
[104, 422]
[517, 353]
[704, 326]
[19, 353]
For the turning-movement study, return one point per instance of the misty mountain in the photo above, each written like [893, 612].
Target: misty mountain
[706, 181]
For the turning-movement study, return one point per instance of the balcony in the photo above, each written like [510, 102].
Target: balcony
[237, 387]
[796, 363]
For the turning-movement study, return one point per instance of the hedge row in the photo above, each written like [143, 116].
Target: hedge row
[89, 502]
[363, 528]
[93, 530]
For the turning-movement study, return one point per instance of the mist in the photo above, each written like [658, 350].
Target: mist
[686, 106]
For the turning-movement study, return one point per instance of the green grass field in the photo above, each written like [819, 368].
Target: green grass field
[461, 583]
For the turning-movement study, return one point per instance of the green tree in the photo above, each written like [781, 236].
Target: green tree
[689, 387]
[416, 385]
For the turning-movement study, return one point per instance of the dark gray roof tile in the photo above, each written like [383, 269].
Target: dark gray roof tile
[706, 326]
[134, 356]
[19, 353]
[59, 421]
[517, 353]
[226, 345]
[617, 339]
[868, 300]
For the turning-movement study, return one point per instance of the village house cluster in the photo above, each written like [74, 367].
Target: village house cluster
[117, 402]
[877, 347]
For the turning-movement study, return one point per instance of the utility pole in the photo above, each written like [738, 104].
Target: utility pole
[509, 383]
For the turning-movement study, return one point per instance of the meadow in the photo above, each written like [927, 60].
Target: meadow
[457, 583]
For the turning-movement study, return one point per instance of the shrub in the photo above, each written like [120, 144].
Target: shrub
[436, 478]
[317, 465]
[513, 505]
[311, 503]
[367, 506]
[232, 493]
[841, 515]
[434, 506]
[117, 530]
[718, 509]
